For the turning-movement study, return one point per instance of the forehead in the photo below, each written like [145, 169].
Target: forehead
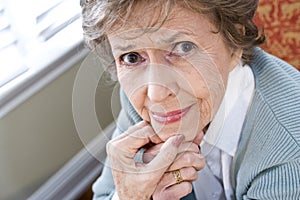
[181, 23]
[126, 39]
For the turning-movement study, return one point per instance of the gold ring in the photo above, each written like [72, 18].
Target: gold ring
[177, 176]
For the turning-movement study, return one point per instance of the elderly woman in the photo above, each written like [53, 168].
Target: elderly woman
[206, 114]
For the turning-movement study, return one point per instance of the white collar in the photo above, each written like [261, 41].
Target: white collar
[225, 129]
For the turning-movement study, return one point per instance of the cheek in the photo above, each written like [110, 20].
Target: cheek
[208, 85]
[135, 90]
[129, 84]
[137, 100]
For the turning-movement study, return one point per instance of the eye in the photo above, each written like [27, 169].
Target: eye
[131, 59]
[183, 49]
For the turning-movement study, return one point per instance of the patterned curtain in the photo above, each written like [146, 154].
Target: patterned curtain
[281, 22]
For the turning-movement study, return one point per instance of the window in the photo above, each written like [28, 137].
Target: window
[10, 68]
[37, 37]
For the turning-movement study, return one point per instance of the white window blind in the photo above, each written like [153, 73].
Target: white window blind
[25, 27]
[39, 40]
[11, 64]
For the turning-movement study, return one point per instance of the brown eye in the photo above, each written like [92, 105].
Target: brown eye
[132, 58]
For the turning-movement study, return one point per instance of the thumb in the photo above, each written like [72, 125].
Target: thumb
[166, 156]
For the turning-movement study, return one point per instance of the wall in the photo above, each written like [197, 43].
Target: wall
[39, 136]
[280, 19]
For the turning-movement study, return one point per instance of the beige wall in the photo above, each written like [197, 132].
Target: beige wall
[39, 136]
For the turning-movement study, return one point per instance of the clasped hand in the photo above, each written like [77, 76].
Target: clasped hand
[153, 177]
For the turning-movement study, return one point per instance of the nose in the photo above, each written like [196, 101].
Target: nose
[161, 80]
[157, 92]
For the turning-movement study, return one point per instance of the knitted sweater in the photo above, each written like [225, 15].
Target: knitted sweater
[267, 162]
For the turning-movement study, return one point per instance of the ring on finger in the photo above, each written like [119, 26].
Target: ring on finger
[177, 176]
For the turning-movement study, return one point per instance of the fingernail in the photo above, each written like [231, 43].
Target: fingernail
[178, 140]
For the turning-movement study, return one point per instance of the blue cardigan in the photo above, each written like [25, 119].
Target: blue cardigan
[267, 162]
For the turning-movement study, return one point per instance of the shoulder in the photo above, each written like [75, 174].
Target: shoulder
[272, 71]
[278, 88]
[271, 133]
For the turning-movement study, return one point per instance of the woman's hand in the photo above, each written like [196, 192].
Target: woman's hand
[188, 162]
[139, 180]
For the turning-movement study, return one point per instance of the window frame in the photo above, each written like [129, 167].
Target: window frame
[45, 63]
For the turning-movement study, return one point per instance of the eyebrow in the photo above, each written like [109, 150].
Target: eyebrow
[125, 48]
[172, 38]
[163, 41]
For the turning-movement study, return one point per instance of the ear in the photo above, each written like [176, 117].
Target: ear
[240, 28]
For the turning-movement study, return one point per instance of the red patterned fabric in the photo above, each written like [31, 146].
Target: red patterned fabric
[281, 21]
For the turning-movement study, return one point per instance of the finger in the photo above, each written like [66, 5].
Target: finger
[138, 127]
[131, 129]
[134, 139]
[187, 174]
[188, 159]
[197, 140]
[150, 153]
[144, 126]
[142, 131]
[166, 156]
[121, 149]
[178, 191]
[189, 146]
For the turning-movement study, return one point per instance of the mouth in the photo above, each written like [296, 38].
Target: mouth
[170, 117]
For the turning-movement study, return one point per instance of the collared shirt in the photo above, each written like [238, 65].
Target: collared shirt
[221, 139]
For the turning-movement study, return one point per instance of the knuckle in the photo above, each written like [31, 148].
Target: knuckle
[189, 158]
[148, 131]
[146, 128]
[195, 149]
[113, 150]
[186, 187]
[191, 171]
[201, 164]
[169, 195]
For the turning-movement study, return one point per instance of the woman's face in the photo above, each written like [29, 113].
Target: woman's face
[175, 76]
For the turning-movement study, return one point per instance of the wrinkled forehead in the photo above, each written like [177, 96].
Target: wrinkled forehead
[146, 37]
[149, 31]
[143, 23]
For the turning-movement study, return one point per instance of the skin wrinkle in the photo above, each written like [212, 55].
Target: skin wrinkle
[208, 57]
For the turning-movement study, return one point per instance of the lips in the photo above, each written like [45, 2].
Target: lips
[170, 117]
